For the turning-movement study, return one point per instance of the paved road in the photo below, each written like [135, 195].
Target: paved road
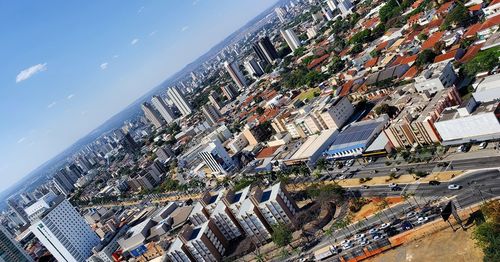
[477, 186]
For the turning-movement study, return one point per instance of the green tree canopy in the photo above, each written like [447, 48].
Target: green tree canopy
[282, 235]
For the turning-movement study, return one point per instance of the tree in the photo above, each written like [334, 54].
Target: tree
[484, 61]
[386, 109]
[299, 51]
[361, 37]
[425, 57]
[356, 49]
[487, 234]
[259, 110]
[458, 16]
[282, 235]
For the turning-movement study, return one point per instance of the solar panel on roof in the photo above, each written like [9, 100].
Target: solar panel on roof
[355, 133]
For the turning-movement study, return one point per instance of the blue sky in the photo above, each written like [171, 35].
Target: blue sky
[71, 65]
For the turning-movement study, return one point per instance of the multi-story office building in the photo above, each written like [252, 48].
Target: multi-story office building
[344, 6]
[35, 210]
[216, 158]
[253, 67]
[152, 115]
[64, 232]
[265, 50]
[164, 153]
[291, 39]
[335, 114]
[229, 92]
[225, 221]
[144, 180]
[214, 98]
[63, 182]
[204, 242]
[281, 14]
[437, 77]
[212, 115]
[469, 122]
[415, 123]
[178, 252]
[236, 74]
[163, 109]
[179, 101]
[238, 143]
[18, 210]
[275, 204]
[10, 250]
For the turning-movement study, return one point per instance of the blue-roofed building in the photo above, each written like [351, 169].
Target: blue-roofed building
[353, 140]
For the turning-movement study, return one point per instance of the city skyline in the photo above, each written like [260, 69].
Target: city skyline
[67, 100]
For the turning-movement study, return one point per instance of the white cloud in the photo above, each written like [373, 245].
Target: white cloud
[134, 41]
[153, 33]
[22, 139]
[51, 105]
[195, 2]
[31, 71]
[185, 28]
[70, 96]
[140, 9]
[104, 65]
[116, 56]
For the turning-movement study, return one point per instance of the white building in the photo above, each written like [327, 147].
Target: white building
[152, 115]
[487, 88]
[238, 143]
[469, 122]
[216, 158]
[291, 39]
[437, 77]
[275, 205]
[204, 242]
[253, 67]
[281, 13]
[252, 221]
[337, 113]
[493, 9]
[163, 109]
[225, 221]
[344, 6]
[36, 209]
[179, 101]
[64, 232]
[178, 252]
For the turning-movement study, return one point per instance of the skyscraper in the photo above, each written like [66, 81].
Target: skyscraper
[213, 97]
[212, 115]
[236, 75]
[281, 13]
[265, 50]
[216, 157]
[253, 67]
[12, 203]
[64, 182]
[344, 6]
[163, 109]
[65, 233]
[10, 250]
[179, 101]
[152, 115]
[229, 92]
[291, 39]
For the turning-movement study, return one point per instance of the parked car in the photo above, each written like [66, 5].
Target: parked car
[359, 236]
[483, 145]
[422, 220]
[454, 187]
[392, 185]
[411, 214]
[394, 169]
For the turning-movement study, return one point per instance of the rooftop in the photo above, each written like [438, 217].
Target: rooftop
[452, 112]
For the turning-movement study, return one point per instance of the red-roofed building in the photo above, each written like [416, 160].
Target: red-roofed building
[492, 9]
[489, 27]
[416, 4]
[471, 53]
[316, 62]
[409, 60]
[382, 46]
[411, 73]
[472, 30]
[434, 25]
[371, 63]
[267, 152]
[450, 56]
[445, 8]
[371, 23]
[432, 40]
[475, 8]
[413, 20]
[411, 37]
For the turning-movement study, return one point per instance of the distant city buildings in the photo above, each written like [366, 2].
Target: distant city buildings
[152, 115]
[10, 250]
[280, 13]
[253, 67]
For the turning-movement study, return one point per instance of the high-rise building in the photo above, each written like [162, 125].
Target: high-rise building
[280, 13]
[229, 92]
[204, 242]
[265, 50]
[163, 109]
[12, 203]
[213, 97]
[344, 6]
[10, 250]
[212, 115]
[216, 157]
[291, 39]
[179, 101]
[236, 75]
[152, 115]
[63, 182]
[129, 144]
[65, 233]
[253, 67]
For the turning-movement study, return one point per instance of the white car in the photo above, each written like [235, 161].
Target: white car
[385, 225]
[376, 237]
[373, 231]
[345, 242]
[411, 214]
[348, 246]
[483, 145]
[392, 185]
[359, 236]
[454, 187]
[422, 220]
[350, 162]
[364, 242]
[394, 169]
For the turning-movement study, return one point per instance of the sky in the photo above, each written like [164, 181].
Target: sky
[71, 65]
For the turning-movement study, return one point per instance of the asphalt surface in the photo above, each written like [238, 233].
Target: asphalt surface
[476, 186]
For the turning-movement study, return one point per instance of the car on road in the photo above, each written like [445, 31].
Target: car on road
[422, 220]
[393, 185]
[385, 225]
[483, 145]
[406, 225]
[394, 169]
[359, 236]
[373, 231]
[411, 214]
[348, 246]
[365, 187]
[364, 242]
[396, 188]
[454, 187]
[378, 236]
[434, 183]
[463, 148]
[350, 162]
[345, 242]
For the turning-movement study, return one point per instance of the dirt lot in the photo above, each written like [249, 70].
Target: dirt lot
[372, 207]
[444, 245]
